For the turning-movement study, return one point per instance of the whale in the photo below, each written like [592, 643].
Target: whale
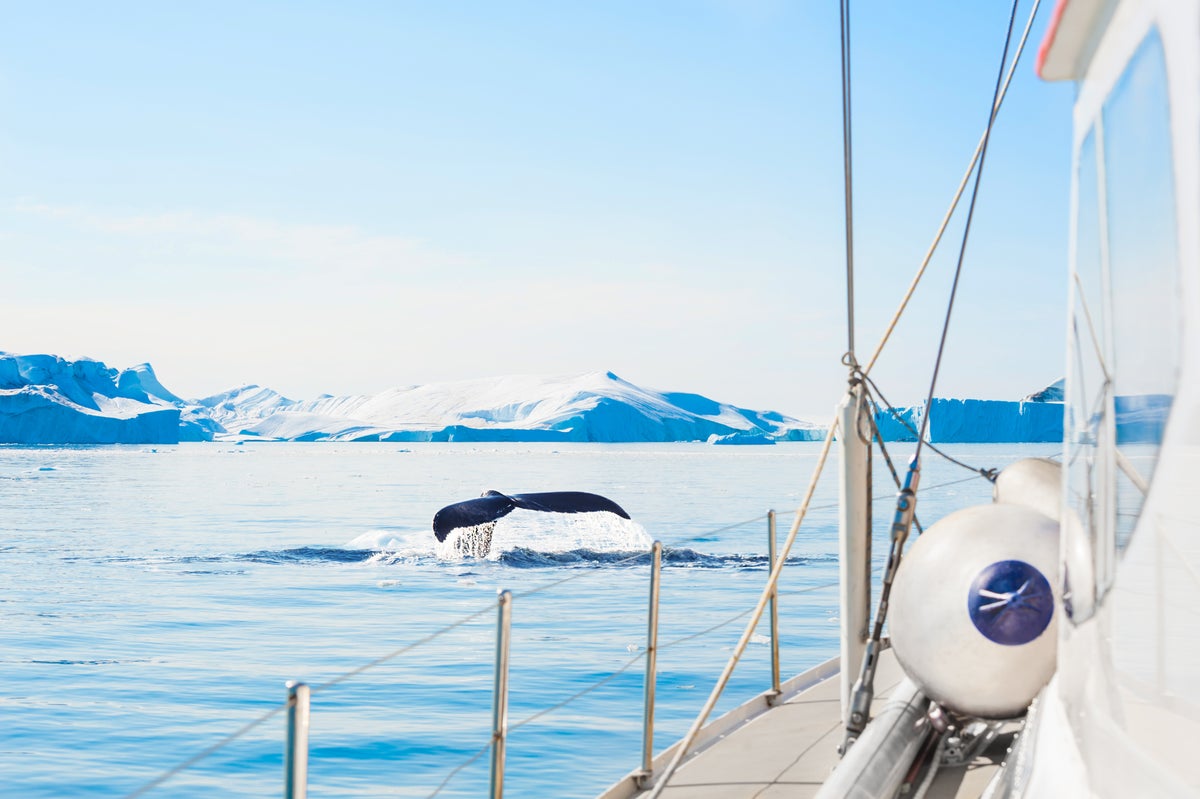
[476, 518]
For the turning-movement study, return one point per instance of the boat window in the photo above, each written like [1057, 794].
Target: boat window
[1143, 267]
[1088, 394]
[1124, 341]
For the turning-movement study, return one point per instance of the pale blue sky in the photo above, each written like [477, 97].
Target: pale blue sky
[345, 197]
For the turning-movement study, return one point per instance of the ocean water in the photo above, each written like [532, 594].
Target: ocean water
[155, 600]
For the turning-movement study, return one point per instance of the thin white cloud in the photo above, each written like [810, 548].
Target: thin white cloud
[348, 249]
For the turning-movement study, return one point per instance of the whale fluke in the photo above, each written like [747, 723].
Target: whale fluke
[493, 505]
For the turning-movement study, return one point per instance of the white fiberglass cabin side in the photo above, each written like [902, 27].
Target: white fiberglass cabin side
[1121, 717]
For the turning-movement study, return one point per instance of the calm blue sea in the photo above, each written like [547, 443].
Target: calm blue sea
[156, 599]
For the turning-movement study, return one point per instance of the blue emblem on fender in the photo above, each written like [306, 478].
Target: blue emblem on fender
[1010, 602]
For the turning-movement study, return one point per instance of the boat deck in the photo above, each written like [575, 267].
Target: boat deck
[790, 749]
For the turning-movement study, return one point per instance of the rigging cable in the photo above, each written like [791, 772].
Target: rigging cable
[962, 185]
[878, 438]
[962, 250]
[987, 474]
[848, 178]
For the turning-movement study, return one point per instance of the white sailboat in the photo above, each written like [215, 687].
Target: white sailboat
[1073, 672]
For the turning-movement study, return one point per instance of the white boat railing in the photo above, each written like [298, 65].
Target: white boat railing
[297, 707]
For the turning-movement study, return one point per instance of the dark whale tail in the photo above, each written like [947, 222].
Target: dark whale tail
[493, 505]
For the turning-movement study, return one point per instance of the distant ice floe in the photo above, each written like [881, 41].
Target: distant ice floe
[741, 437]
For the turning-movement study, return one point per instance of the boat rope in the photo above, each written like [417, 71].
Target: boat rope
[962, 250]
[962, 185]
[764, 597]
[848, 175]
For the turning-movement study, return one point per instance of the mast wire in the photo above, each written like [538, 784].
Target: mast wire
[987, 474]
[848, 176]
[962, 185]
[962, 250]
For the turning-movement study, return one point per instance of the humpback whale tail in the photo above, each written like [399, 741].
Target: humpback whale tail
[476, 518]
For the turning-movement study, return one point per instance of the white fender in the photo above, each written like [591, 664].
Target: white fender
[1033, 482]
[974, 609]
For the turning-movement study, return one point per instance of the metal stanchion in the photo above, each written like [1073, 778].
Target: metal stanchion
[651, 665]
[295, 762]
[500, 693]
[776, 690]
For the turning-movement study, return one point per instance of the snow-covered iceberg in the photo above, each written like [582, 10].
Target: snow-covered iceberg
[1051, 393]
[47, 400]
[596, 406]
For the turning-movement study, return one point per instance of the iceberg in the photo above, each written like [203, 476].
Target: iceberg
[962, 421]
[1051, 393]
[1039, 417]
[45, 399]
[591, 407]
[1036, 418]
